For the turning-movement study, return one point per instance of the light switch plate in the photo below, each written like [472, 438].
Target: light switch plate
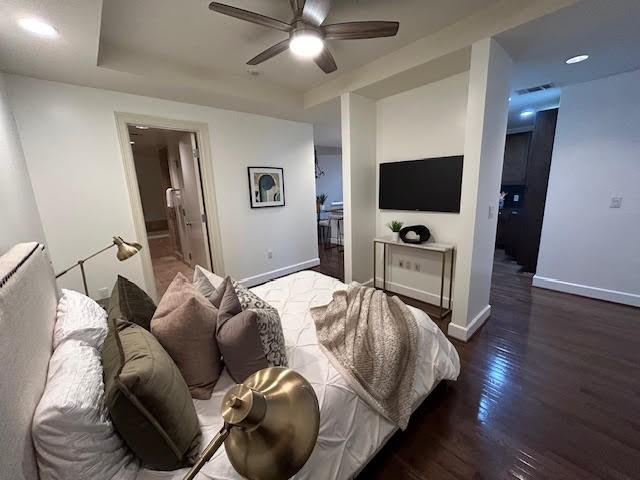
[616, 202]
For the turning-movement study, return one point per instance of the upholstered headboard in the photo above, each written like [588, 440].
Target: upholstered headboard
[28, 300]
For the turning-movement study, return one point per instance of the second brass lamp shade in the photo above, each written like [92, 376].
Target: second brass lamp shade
[126, 249]
[271, 425]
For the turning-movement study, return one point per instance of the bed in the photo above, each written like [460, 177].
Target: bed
[350, 431]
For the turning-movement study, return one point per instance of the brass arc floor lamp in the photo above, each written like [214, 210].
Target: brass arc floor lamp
[125, 250]
[271, 424]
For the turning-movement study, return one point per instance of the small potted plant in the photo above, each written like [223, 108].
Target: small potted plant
[320, 199]
[395, 226]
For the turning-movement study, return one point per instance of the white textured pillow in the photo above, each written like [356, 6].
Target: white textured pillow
[72, 431]
[79, 318]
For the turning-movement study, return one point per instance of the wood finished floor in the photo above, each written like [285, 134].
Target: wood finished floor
[165, 264]
[549, 389]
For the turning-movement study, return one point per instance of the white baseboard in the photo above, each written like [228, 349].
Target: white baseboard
[422, 295]
[280, 272]
[465, 333]
[587, 291]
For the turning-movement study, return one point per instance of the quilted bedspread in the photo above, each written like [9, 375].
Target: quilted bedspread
[350, 431]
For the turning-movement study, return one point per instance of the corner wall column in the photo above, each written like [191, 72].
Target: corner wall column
[485, 134]
[359, 124]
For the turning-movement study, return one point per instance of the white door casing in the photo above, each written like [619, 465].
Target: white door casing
[208, 187]
[192, 203]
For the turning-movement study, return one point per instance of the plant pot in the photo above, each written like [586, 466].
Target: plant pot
[395, 236]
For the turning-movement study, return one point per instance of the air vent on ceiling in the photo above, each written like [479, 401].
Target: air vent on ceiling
[537, 88]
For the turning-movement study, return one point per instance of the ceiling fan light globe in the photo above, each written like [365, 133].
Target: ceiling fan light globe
[306, 44]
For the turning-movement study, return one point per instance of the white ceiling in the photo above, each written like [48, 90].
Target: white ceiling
[607, 30]
[186, 33]
[182, 51]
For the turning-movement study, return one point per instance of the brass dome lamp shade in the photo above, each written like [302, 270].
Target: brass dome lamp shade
[271, 424]
[125, 250]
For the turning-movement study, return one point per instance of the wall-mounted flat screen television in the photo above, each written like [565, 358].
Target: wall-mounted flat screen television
[427, 185]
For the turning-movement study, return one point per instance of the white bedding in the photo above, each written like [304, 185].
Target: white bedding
[350, 431]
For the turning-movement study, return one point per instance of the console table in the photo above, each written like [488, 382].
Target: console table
[441, 248]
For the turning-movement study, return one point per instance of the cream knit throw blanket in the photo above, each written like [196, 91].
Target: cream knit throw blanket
[371, 338]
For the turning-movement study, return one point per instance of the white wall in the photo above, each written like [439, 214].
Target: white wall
[586, 247]
[71, 147]
[425, 122]
[152, 182]
[19, 217]
[358, 115]
[485, 135]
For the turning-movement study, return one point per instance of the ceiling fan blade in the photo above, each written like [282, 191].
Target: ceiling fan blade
[315, 11]
[249, 16]
[358, 30]
[297, 6]
[269, 52]
[326, 61]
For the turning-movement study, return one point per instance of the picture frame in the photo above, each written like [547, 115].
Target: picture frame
[266, 187]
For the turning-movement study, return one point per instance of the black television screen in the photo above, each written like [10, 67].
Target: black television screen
[429, 185]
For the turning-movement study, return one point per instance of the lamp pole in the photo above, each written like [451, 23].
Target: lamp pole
[125, 250]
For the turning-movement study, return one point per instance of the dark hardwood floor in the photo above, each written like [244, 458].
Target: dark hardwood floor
[331, 262]
[549, 389]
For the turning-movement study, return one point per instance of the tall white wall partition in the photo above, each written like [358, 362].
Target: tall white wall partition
[486, 126]
[358, 183]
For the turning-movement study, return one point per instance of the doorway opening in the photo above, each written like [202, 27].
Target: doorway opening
[169, 182]
[329, 201]
[525, 177]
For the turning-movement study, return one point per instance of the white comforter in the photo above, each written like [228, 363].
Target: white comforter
[350, 431]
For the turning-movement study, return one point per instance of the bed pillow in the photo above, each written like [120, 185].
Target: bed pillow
[269, 325]
[185, 325]
[129, 302]
[72, 432]
[79, 318]
[237, 334]
[206, 282]
[148, 399]
[267, 317]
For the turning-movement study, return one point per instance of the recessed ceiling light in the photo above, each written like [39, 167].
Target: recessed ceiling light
[527, 113]
[307, 44]
[142, 127]
[509, 98]
[38, 27]
[576, 59]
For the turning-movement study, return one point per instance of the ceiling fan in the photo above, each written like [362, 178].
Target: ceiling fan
[307, 34]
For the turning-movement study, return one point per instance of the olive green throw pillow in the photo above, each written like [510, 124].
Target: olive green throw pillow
[148, 399]
[129, 302]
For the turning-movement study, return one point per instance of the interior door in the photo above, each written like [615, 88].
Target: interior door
[193, 203]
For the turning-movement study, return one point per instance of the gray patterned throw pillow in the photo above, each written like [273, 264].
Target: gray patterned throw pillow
[269, 325]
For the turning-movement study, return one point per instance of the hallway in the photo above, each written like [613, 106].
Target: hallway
[166, 265]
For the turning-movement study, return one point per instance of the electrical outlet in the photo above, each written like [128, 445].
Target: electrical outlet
[416, 267]
[401, 263]
[269, 254]
[103, 293]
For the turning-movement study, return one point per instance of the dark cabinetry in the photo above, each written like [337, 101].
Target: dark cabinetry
[516, 151]
[525, 177]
